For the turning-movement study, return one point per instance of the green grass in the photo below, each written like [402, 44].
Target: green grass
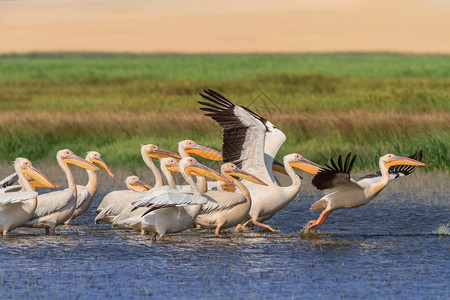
[112, 103]
[218, 67]
[303, 93]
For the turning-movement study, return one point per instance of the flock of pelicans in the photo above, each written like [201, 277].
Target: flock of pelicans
[244, 193]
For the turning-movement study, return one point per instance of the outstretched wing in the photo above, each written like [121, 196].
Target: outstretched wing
[243, 133]
[394, 171]
[337, 174]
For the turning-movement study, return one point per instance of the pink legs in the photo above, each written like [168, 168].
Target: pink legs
[314, 223]
[217, 230]
[265, 226]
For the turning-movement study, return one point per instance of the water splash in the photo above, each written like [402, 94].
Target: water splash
[443, 229]
[311, 235]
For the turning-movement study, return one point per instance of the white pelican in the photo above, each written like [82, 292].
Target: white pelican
[174, 210]
[152, 151]
[86, 193]
[341, 191]
[116, 198]
[187, 147]
[394, 171]
[227, 209]
[57, 207]
[251, 142]
[128, 210]
[118, 201]
[16, 208]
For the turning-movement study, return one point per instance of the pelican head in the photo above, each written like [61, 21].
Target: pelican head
[26, 168]
[67, 157]
[191, 166]
[154, 151]
[233, 170]
[134, 181]
[297, 161]
[390, 160]
[170, 163]
[191, 147]
[94, 158]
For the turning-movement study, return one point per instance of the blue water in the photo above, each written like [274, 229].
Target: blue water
[382, 250]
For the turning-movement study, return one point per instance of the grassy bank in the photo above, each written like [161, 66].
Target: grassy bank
[326, 104]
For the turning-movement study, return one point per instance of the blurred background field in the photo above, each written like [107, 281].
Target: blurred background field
[326, 104]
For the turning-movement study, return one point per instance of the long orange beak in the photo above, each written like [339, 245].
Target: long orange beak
[176, 168]
[306, 165]
[247, 176]
[205, 152]
[38, 178]
[173, 168]
[80, 162]
[161, 153]
[202, 170]
[102, 164]
[400, 160]
[141, 183]
[37, 184]
[279, 167]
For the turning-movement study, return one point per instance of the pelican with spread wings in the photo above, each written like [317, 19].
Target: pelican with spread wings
[341, 191]
[251, 142]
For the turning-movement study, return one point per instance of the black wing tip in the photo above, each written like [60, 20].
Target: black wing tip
[418, 155]
[323, 180]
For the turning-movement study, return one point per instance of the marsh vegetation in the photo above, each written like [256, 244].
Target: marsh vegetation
[325, 103]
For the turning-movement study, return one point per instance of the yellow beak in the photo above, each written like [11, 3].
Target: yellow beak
[205, 152]
[37, 184]
[79, 162]
[161, 153]
[229, 188]
[277, 166]
[247, 176]
[173, 168]
[400, 160]
[141, 183]
[202, 170]
[306, 165]
[102, 164]
[38, 178]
